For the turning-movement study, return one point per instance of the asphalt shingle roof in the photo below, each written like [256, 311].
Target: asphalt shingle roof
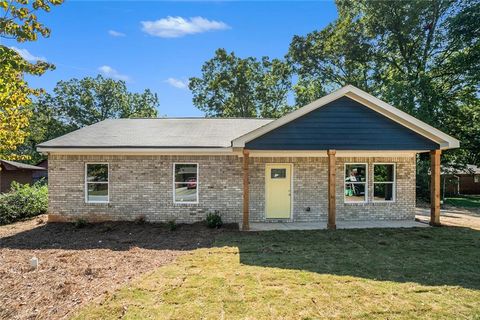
[158, 133]
[20, 165]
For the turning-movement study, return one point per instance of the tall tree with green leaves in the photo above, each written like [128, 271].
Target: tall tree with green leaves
[81, 102]
[18, 22]
[242, 87]
[420, 56]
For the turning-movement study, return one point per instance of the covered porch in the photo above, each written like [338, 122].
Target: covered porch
[331, 194]
[351, 133]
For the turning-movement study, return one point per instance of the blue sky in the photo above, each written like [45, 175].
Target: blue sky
[159, 45]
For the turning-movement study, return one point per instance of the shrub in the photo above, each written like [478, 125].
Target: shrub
[80, 223]
[23, 202]
[140, 219]
[214, 220]
[172, 225]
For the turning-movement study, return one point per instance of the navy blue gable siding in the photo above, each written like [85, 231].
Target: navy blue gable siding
[343, 124]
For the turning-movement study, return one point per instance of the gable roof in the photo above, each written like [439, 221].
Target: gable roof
[13, 165]
[445, 141]
[156, 133]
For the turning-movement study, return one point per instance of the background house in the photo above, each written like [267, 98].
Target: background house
[41, 174]
[19, 172]
[461, 181]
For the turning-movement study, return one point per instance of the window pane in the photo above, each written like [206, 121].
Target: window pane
[97, 172]
[186, 173]
[383, 192]
[355, 192]
[186, 192]
[355, 172]
[278, 173]
[97, 192]
[383, 172]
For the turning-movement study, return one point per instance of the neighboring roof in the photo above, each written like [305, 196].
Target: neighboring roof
[469, 169]
[9, 165]
[158, 133]
[445, 141]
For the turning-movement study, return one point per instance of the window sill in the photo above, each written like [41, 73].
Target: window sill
[383, 202]
[375, 203]
[356, 203]
[185, 204]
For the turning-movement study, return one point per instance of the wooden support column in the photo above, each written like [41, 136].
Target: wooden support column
[331, 191]
[435, 187]
[246, 191]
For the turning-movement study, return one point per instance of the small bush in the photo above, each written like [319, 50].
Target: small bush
[214, 220]
[172, 225]
[140, 219]
[80, 223]
[23, 202]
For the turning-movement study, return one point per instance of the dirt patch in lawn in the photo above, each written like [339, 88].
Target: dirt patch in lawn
[78, 265]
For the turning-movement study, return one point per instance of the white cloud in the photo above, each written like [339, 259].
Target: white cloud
[114, 33]
[174, 27]
[112, 73]
[177, 83]
[27, 55]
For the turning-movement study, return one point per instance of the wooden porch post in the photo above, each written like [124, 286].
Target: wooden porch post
[246, 191]
[435, 187]
[331, 191]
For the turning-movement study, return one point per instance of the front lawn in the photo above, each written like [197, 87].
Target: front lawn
[464, 201]
[376, 273]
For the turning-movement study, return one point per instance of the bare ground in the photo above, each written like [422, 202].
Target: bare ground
[78, 265]
[81, 265]
[453, 217]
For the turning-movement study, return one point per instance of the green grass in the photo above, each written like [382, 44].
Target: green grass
[344, 274]
[464, 201]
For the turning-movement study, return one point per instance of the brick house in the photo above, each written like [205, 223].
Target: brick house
[346, 156]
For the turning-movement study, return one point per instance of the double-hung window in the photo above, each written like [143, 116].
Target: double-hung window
[185, 183]
[96, 182]
[383, 182]
[355, 182]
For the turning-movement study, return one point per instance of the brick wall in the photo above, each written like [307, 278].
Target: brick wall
[142, 185]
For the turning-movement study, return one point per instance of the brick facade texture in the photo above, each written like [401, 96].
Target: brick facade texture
[143, 186]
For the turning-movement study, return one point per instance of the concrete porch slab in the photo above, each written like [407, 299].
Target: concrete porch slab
[269, 226]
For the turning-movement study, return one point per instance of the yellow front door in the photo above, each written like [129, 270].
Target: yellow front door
[278, 190]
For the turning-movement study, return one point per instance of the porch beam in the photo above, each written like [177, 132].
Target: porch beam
[435, 187]
[246, 191]
[331, 191]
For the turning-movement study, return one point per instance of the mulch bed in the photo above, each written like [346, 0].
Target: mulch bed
[78, 265]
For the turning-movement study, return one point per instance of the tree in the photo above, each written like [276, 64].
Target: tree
[420, 56]
[341, 53]
[19, 22]
[234, 87]
[81, 102]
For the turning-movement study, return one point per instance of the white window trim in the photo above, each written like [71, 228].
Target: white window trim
[394, 183]
[198, 183]
[102, 182]
[366, 182]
